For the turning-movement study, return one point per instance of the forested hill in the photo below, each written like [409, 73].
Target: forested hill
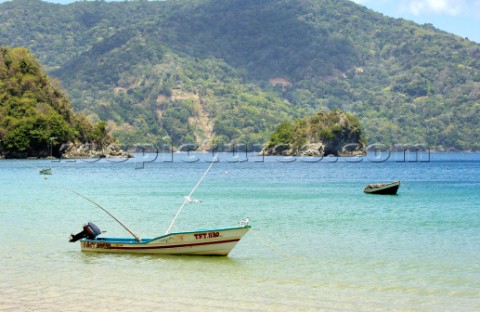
[188, 70]
[35, 117]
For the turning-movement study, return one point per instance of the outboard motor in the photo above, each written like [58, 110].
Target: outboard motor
[90, 231]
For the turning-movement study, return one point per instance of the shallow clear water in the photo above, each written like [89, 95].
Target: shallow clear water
[318, 243]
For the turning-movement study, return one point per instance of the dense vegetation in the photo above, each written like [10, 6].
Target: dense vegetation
[334, 132]
[188, 70]
[35, 117]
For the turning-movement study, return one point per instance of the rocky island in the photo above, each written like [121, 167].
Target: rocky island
[335, 132]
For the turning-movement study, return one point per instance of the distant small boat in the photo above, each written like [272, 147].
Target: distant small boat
[382, 188]
[47, 171]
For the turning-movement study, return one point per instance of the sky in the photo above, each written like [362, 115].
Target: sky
[459, 17]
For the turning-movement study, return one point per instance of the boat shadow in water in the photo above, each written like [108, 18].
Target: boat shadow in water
[89, 258]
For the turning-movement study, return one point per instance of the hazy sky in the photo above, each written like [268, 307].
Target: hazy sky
[460, 17]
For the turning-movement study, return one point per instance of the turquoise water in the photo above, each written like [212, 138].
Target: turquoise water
[318, 243]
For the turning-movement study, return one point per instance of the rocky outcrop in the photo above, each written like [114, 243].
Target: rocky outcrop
[334, 133]
[81, 150]
[313, 149]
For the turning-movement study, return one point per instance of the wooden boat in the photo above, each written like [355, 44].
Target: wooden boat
[383, 189]
[46, 171]
[208, 242]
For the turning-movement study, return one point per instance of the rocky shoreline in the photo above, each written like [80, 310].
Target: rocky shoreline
[81, 150]
[318, 149]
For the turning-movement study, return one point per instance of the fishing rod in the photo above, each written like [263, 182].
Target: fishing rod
[188, 198]
[138, 239]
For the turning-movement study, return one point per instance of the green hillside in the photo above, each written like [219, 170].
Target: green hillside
[190, 70]
[35, 117]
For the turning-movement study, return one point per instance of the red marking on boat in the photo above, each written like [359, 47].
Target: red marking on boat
[176, 246]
